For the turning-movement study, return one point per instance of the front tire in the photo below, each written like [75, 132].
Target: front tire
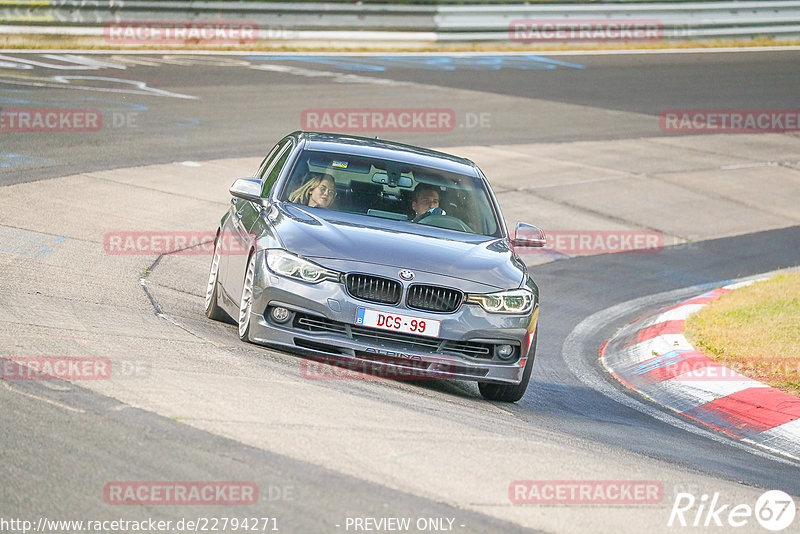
[213, 311]
[246, 302]
[511, 392]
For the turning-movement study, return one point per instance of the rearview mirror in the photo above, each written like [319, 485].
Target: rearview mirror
[248, 189]
[383, 178]
[529, 236]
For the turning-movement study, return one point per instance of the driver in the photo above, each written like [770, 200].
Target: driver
[425, 201]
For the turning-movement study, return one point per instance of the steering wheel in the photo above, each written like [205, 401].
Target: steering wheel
[446, 221]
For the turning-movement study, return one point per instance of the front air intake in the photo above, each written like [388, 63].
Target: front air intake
[374, 288]
[434, 298]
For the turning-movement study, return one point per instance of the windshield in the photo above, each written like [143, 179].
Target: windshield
[392, 190]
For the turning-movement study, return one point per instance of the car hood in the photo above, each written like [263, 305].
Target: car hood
[351, 238]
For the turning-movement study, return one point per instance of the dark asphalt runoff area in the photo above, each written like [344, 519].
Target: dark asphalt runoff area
[61, 443]
[240, 110]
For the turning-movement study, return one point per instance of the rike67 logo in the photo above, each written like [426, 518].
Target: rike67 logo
[774, 510]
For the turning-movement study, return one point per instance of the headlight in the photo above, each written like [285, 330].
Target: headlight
[513, 301]
[287, 264]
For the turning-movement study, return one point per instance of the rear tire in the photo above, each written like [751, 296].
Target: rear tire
[511, 392]
[213, 311]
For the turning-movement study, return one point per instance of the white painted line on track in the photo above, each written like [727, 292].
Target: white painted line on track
[63, 82]
[333, 75]
[48, 401]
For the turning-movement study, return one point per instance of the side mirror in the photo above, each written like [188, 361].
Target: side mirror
[528, 235]
[248, 189]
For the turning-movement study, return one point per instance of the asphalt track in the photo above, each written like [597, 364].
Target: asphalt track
[209, 408]
[239, 110]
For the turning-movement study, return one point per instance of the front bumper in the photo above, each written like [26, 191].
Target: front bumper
[322, 320]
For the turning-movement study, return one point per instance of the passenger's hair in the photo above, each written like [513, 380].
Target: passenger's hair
[303, 193]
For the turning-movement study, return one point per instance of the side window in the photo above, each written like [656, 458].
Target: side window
[274, 169]
[271, 156]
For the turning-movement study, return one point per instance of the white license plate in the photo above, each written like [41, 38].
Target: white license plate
[397, 322]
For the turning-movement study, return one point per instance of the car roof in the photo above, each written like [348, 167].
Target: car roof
[379, 148]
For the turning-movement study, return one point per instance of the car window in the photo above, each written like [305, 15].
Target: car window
[272, 165]
[262, 169]
[385, 189]
[276, 168]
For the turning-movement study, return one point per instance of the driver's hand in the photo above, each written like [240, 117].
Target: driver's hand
[433, 211]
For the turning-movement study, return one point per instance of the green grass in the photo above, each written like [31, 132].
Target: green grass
[754, 330]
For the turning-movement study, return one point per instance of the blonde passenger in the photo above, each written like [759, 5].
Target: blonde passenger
[318, 191]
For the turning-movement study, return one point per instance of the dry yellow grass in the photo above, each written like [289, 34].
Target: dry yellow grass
[754, 330]
[63, 42]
